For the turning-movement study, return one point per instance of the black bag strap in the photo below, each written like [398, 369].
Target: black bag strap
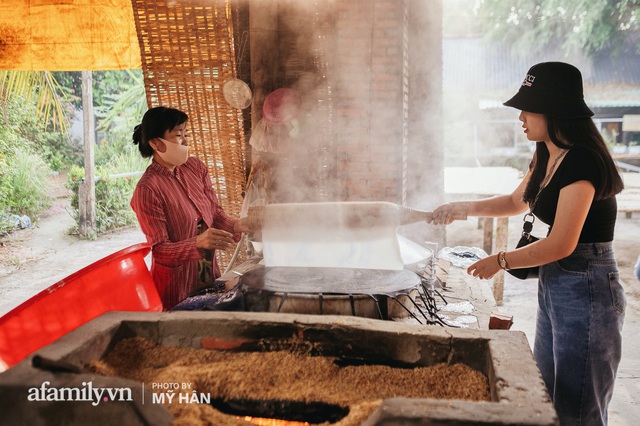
[527, 226]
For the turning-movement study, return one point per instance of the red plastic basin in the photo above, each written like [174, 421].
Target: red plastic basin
[118, 282]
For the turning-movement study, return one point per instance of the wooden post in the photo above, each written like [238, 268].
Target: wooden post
[87, 189]
[502, 232]
[487, 244]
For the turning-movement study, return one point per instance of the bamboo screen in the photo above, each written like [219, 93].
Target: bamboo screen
[187, 53]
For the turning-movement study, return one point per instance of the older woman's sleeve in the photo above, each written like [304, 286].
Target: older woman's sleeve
[221, 219]
[153, 223]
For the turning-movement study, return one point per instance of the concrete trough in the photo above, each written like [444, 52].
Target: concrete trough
[518, 395]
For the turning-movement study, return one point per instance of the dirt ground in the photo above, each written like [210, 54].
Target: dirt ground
[34, 259]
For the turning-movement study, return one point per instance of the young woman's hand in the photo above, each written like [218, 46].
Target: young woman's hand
[444, 214]
[485, 268]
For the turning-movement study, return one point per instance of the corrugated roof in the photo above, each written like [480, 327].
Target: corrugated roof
[614, 103]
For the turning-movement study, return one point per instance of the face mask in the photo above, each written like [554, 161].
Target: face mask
[175, 154]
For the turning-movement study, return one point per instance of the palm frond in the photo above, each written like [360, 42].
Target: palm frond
[133, 101]
[35, 86]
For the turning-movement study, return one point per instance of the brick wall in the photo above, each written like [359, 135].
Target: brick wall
[355, 146]
[369, 57]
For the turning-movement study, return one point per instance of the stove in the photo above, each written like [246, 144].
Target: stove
[339, 291]
[409, 293]
[517, 392]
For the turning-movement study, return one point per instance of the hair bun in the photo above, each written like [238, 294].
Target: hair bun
[137, 134]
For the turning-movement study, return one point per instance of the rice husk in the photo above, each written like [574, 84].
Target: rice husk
[291, 374]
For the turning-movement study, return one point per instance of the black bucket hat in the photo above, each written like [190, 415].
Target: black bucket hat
[553, 89]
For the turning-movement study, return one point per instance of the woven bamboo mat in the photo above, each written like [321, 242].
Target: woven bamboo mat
[187, 52]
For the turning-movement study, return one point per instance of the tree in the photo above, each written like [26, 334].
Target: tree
[128, 102]
[40, 86]
[105, 84]
[587, 26]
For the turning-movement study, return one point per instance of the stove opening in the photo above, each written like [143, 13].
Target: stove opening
[286, 410]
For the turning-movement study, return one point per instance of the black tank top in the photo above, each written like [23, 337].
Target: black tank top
[579, 164]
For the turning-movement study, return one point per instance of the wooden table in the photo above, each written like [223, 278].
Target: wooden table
[629, 198]
[461, 287]
[485, 182]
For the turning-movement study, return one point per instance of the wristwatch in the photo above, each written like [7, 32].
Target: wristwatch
[502, 261]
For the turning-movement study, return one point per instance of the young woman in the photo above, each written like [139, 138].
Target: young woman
[177, 209]
[571, 186]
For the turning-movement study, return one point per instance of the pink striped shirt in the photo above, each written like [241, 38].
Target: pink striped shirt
[169, 206]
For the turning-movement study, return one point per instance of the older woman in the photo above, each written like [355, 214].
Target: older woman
[177, 209]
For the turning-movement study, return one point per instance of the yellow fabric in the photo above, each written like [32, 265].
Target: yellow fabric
[68, 35]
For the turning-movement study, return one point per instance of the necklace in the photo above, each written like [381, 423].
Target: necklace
[548, 176]
[553, 167]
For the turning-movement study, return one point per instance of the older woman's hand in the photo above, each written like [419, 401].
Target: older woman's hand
[245, 224]
[215, 239]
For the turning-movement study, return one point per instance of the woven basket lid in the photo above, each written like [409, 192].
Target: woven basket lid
[237, 93]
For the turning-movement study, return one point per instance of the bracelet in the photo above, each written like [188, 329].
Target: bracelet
[502, 260]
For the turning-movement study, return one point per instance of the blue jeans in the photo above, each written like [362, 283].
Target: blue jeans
[578, 341]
